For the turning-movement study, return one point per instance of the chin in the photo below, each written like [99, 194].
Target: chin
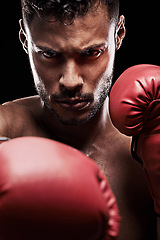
[79, 117]
[74, 118]
[74, 121]
[71, 120]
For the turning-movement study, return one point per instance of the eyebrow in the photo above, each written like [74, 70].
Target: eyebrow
[92, 47]
[43, 48]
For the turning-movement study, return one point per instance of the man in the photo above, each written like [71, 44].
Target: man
[71, 47]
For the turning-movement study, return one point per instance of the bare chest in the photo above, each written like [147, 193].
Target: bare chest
[128, 182]
[125, 176]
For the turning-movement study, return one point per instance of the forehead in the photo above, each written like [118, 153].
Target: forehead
[91, 29]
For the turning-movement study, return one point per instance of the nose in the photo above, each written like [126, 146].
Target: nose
[70, 78]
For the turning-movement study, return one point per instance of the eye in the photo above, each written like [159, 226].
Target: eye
[92, 53]
[49, 54]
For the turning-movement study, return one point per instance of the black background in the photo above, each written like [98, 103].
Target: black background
[141, 45]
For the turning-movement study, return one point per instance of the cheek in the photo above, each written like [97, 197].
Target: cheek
[44, 74]
[95, 72]
[101, 76]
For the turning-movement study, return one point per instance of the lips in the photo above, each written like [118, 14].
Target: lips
[73, 105]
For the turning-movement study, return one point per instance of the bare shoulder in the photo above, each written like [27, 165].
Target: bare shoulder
[23, 105]
[28, 102]
[16, 115]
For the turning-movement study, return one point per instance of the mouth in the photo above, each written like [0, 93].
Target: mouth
[73, 104]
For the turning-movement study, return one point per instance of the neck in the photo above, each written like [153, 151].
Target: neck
[79, 136]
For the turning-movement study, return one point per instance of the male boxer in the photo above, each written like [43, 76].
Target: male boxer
[71, 46]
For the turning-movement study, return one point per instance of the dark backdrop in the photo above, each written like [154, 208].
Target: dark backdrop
[141, 45]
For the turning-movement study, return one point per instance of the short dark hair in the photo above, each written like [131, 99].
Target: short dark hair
[65, 10]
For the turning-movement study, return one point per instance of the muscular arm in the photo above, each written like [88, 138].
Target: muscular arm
[4, 117]
[15, 120]
[21, 118]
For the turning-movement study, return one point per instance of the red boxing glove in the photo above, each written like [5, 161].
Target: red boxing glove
[49, 190]
[135, 111]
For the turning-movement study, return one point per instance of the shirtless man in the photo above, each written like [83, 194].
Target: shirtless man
[71, 49]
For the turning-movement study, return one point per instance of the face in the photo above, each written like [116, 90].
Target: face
[72, 65]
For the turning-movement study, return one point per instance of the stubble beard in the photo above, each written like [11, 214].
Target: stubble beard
[101, 95]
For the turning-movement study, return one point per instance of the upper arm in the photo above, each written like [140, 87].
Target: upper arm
[4, 118]
[17, 118]
[11, 120]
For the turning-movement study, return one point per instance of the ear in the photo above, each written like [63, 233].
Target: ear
[23, 36]
[120, 32]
